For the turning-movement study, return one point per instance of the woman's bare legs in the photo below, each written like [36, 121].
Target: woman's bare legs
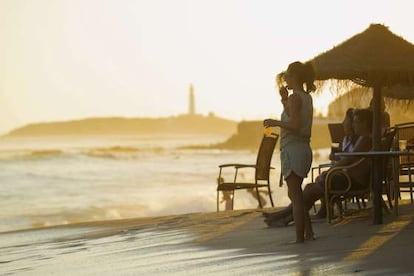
[307, 198]
[294, 183]
[309, 235]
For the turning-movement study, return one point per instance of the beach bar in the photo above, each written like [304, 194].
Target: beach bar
[376, 59]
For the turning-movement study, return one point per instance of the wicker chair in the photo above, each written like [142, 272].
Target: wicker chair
[333, 196]
[405, 131]
[262, 172]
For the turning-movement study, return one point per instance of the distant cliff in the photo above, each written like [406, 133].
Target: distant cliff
[249, 134]
[242, 135]
[183, 124]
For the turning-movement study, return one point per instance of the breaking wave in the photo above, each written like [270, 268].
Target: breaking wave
[112, 152]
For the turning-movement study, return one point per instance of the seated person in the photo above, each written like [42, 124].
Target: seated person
[362, 125]
[347, 145]
[350, 137]
[385, 116]
[227, 199]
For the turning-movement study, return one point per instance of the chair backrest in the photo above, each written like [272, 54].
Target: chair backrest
[405, 131]
[336, 130]
[264, 156]
[387, 144]
[387, 139]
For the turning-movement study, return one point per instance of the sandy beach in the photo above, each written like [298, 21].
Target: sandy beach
[225, 243]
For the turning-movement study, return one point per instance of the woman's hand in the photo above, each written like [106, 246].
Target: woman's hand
[283, 92]
[270, 123]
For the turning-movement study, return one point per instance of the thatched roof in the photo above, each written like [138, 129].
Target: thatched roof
[399, 92]
[374, 57]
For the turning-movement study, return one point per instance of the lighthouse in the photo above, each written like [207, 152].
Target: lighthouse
[191, 101]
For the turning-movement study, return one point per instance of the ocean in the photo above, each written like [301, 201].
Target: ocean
[61, 180]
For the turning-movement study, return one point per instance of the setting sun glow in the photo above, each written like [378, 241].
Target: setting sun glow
[65, 59]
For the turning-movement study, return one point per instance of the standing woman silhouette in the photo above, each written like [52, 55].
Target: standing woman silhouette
[296, 126]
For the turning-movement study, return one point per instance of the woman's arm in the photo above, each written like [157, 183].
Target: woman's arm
[284, 94]
[293, 106]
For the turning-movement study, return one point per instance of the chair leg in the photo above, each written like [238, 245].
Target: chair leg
[387, 190]
[258, 198]
[270, 194]
[385, 206]
[328, 208]
[364, 204]
[232, 202]
[218, 201]
[330, 211]
[389, 201]
[396, 197]
[359, 204]
[340, 209]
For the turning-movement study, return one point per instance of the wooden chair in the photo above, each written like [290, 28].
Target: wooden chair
[333, 196]
[388, 144]
[262, 172]
[336, 131]
[405, 131]
[337, 134]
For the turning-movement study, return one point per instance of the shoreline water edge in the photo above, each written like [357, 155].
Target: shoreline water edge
[235, 242]
[50, 182]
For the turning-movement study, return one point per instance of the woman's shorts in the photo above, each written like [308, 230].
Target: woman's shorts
[297, 158]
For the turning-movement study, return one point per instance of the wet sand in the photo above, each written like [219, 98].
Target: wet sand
[225, 243]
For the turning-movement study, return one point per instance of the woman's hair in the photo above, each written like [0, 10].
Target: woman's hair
[349, 115]
[364, 115]
[303, 73]
[382, 102]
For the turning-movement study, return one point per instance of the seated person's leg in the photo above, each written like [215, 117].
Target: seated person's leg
[311, 193]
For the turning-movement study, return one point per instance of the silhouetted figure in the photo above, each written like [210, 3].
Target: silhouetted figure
[385, 116]
[254, 194]
[227, 199]
[347, 145]
[296, 125]
[227, 196]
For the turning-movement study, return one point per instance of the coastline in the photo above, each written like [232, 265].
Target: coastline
[235, 242]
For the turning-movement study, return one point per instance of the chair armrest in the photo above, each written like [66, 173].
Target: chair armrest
[407, 165]
[326, 165]
[356, 163]
[340, 170]
[407, 169]
[328, 182]
[319, 167]
[245, 166]
[237, 165]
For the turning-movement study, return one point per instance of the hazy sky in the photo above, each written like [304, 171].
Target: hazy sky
[70, 59]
